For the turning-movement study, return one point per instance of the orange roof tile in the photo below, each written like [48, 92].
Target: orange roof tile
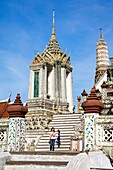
[3, 109]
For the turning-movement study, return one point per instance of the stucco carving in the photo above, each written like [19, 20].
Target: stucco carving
[40, 122]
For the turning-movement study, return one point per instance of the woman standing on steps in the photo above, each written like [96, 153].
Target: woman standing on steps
[52, 139]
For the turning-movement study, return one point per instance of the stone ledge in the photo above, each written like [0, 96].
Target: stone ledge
[45, 153]
[44, 163]
[100, 169]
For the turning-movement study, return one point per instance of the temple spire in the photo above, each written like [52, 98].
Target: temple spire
[102, 60]
[53, 36]
[101, 36]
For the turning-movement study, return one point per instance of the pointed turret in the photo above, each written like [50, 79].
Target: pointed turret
[101, 58]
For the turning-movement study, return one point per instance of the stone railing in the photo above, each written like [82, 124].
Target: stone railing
[104, 131]
[79, 162]
[91, 160]
[4, 156]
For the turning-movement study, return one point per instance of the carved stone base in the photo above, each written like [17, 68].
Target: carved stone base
[46, 106]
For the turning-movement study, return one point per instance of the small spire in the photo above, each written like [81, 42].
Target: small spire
[101, 36]
[53, 36]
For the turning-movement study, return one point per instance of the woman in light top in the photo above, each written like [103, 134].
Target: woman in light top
[52, 139]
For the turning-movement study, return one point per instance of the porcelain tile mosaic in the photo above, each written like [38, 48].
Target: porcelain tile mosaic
[104, 119]
[16, 139]
[89, 131]
[98, 134]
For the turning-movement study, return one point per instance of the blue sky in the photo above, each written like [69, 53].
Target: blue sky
[25, 27]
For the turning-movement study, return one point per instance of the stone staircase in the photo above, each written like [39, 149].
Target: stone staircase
[57, 160]
[39, 160]
[65, 123]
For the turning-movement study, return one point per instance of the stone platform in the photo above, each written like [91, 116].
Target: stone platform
[39, 160]
[55, 160]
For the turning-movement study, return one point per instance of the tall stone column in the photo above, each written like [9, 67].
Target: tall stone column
[69, 92]
[16, 135]
[63, 84]
[92, 109]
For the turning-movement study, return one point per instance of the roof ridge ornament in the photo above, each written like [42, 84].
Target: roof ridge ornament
[53, 36]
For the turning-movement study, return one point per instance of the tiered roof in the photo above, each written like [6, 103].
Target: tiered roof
[52, 52]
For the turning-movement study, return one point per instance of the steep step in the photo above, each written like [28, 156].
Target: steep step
[63, 132]
[63, 137]
[99, 169]
[64, 124]
[44, 163]
[63, 127]
[56, 148]
[68, 115]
